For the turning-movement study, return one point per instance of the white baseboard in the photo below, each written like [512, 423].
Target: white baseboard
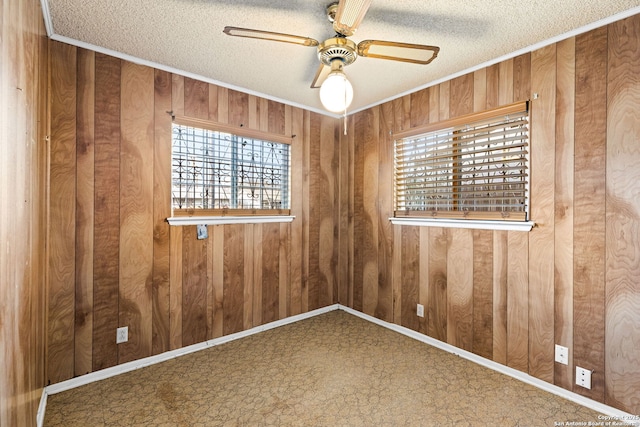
[614, 413]
[41, 408]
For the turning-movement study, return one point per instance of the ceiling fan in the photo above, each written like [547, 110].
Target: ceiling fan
[337, 52]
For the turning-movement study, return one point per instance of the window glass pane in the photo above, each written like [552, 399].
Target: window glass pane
[217, 170]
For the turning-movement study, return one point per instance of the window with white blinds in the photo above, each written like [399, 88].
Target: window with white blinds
[471, 167]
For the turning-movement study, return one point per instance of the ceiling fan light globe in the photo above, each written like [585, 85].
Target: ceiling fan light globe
[336, 92]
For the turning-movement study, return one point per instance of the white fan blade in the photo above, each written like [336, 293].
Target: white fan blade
[404, 52]
[349, 15]
[268, 35]
[321, 75]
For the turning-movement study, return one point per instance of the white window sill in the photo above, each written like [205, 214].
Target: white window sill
[466, 223]
[219, 220]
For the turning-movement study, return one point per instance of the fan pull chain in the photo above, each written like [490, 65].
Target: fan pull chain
[345, 121]
[345, 112]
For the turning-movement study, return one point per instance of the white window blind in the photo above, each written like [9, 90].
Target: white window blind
[471, 167]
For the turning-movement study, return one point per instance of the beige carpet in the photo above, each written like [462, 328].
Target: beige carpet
[331, 370]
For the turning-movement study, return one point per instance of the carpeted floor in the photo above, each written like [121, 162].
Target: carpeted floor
[334, 369]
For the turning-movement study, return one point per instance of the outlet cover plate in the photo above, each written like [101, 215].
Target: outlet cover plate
[420, 310]
[562, 354]
[122, 334]
[583, 377]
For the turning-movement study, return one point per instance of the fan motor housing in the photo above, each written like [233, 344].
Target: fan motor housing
[337, 48]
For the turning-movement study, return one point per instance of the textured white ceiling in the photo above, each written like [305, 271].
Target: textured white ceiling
[186, 36]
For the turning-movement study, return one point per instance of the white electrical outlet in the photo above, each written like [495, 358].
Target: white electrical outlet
[420, 310]
[583, 377]
[562, 354]
[122, 334]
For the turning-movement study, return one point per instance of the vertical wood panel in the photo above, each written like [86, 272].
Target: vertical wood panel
[500, 278]
[306, 210]
[460, 288]
[402, 113]
[85, 112]
[161, 211]
[136, 210]
[217, 278]
[480, 90]
[196, 99]
[345, 220]
[589, 205]
[284, 268]
[423, 291]
[521, 78]
[233, 293]
[251, 313]
[276, 123]
[213, 103]
[434, 103]
[270, 272]
[298, 177]
[256, 285]
[328, 214]
[410, 281]
[106, 232]
[564, 182]
[369, 206]
[62, 213]
[177, 94]
[384, 306]
[438, 284]
[518, 301]
[24, 174]
[483, 293]
[360, 123]
[175, 290]
[317, 211]
[223, 105]
[445, 95]
[493, 86]
[254, 112]
[419, 107]
[210, 289]
[505, 83]
[194, 287]
[238, 106]
[461, 95]
[541, 238]
[622, 362]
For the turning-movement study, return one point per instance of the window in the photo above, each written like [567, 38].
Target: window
[216, 171]
[472, 167]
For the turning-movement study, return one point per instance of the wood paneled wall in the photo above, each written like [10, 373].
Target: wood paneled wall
[115, 261]
[510, 296]
[23, 155]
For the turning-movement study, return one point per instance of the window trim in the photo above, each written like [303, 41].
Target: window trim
[458, 219]
[464, 223]
[220, 220]
[191, 216]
